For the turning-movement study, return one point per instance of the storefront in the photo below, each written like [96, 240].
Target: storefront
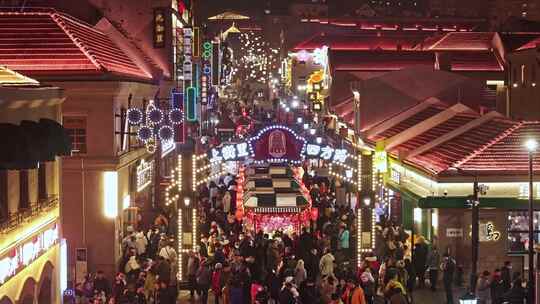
[503, 229]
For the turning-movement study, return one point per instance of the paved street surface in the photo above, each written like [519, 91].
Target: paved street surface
[424, 296]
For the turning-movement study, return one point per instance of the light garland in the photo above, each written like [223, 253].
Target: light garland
[256, 58]
[359, 173]
[194, 174]
[176, 183]
[194, 229]
[180, 240]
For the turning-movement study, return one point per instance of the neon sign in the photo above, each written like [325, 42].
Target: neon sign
[276, 145]
[27, 252]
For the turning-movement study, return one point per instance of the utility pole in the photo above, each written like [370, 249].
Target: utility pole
[474, 235]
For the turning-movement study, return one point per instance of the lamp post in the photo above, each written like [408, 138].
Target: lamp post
[531, 146]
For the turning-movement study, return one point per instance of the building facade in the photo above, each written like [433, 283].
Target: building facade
[32, 249]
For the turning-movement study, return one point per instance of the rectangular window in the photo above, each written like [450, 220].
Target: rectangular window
[42, 181]
[4, 210]
[76, 128]
[518, 230]
[24, 201]
[523, 74]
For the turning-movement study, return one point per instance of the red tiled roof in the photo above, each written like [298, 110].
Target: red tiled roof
[507, 153]
[369, 40]
[530, 45]
[436, 132]
[378, 60]
[42, 42]
[449, 153]
[407, 123]
[464, 41]
[475, 61]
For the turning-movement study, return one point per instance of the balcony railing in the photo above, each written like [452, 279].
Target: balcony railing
[15, 219]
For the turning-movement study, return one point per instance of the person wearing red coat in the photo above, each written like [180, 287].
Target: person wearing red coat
[217, 282]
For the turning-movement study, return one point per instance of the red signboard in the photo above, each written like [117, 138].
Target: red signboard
[277, 143]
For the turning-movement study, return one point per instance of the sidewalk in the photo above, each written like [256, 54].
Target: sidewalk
[422, 296]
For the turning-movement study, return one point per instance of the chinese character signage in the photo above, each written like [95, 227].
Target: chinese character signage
[144, 173]
[159, 27]
[26, 252]
[326, 153]
[188, 63]
[277, 144]
[488, 233]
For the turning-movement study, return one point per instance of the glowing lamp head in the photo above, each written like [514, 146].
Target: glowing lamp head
[299, 120]
[531, 145]
[306, 126]
[319, 140]
[367, 201]
[312, 131]
[187, 201]
[287, 109]
[295, 104]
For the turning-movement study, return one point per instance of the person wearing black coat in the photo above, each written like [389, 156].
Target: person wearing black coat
[449, 267]
[506, 273]
[516, 294]
[286, 296]
[311, 263]
[496, 287]
[309, 293]
[166, 295]
[305, 243]
[420, 260]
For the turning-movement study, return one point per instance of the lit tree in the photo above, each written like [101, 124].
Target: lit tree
[255, 59]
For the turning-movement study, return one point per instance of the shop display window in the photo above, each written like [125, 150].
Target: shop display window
[518, 230]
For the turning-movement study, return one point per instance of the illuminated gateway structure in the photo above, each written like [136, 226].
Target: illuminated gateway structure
[270, 193]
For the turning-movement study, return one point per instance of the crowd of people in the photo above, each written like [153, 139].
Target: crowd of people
[146, 274]
[501, 286]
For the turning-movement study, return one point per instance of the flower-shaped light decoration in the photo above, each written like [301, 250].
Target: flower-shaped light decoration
[155, 123]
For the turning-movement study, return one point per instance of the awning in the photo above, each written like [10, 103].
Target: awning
[460, 202]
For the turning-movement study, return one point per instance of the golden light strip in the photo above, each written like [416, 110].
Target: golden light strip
[194, 229]
[194, 173]
[180, 242]
[359, 173]
[359, 239]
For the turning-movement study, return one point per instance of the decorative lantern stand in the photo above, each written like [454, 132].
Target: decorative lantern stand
[468, 298]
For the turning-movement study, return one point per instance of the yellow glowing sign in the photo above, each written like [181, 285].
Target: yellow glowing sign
[380, 160]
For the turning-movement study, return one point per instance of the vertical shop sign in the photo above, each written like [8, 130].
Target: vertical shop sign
[215, 63]
[159, 28]
[178, 102]
[188, 62]
[196, 48]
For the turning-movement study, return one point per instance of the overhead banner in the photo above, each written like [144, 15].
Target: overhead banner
[277, 144]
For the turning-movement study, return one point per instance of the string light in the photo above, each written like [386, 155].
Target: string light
[180, 242]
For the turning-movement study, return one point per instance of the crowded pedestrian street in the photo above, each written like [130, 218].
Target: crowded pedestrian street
[269, 152]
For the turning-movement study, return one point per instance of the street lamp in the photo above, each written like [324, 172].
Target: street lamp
[531, 146]
[468, 298]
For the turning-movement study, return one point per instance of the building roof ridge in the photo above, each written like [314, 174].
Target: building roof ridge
[61, 23]
[492, 142]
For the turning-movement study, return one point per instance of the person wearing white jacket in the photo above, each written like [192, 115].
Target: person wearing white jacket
[326, 264]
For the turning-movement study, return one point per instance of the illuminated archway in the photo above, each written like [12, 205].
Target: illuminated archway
[44, 290]
[27, 294]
